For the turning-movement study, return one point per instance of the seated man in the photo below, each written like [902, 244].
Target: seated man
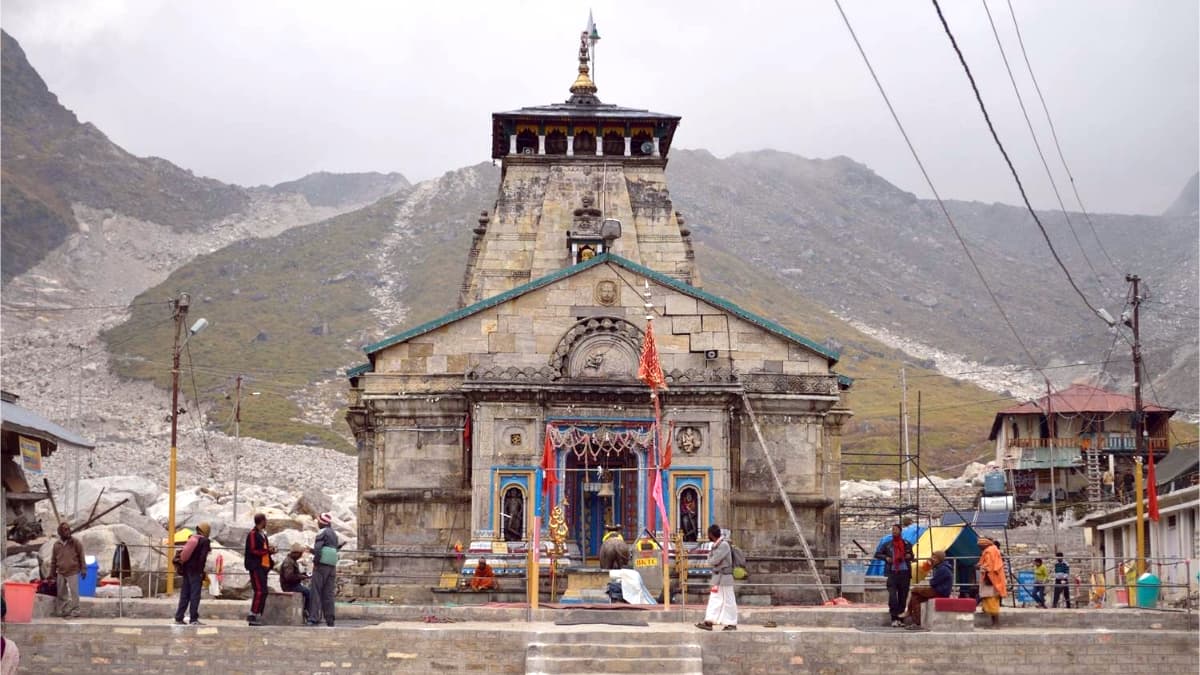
[291, 579]
[941, 582]
[485, 577]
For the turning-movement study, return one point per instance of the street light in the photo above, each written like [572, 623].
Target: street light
[181, 309]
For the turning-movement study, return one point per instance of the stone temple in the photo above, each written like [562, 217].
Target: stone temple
[451, 417]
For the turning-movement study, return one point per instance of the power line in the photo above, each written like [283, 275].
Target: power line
[929, 182]
[1012, 169]
[1037, 145]
[1054, 135]
[83, 355]
[199, 412]
[83, 308]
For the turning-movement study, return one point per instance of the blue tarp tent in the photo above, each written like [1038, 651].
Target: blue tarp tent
[910, 534]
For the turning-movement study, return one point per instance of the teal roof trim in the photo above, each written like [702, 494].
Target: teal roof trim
[724, 304]
[603, 258]
[845, 380]
[360, 369]
[484, 304]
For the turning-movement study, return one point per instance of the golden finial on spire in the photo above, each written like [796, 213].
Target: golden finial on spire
[583, 90]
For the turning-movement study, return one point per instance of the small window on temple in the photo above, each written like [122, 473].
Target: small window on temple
[585, 143]
[556, 143]
[614, 143]
[527, 140]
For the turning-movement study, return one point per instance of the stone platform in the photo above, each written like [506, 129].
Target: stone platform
[381, 638]
[505, 644]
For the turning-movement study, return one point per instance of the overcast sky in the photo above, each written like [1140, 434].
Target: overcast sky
[262, 92]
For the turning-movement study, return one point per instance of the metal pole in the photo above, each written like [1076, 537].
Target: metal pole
[1139, 425]
[1053, 485]
[237, 453]
[181, 309]
[1140, 521]
[904, 411]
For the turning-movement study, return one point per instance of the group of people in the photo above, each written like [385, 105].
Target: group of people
[905, 603]
[318, 592]
[1062, 581]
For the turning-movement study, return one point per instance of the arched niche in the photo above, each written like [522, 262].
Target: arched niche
[604, 347]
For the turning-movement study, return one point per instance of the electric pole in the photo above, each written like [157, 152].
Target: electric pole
[237, 455]
[1051, 428]
[181, 310]
[1139, 422]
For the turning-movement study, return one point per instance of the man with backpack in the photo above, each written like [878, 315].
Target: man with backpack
[722, 604]
[324, 581]
[190, 564]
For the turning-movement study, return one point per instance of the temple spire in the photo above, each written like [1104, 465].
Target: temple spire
[583, 91]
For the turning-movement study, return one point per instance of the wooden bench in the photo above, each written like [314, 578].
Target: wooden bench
[951, 615]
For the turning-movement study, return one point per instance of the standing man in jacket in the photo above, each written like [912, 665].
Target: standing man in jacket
[897, 557]
[192, 560]
[941, 582]
[66, 566]
[324, 582]
[258, 563]
[1062, 580]
[722, 604]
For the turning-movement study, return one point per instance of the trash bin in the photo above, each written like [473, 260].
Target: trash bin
[87, 585]
[19, 599]
[1147, 590]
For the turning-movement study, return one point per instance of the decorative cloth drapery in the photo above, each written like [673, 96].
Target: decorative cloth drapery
[589, 441]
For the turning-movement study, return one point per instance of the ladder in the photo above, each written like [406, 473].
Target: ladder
[1092, 464]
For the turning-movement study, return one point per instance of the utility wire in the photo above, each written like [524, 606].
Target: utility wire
[1038, 146]
[929, 182]
[199, 413]
[102, 348]
[79, 308]
[1012, 169]
[1054, 135]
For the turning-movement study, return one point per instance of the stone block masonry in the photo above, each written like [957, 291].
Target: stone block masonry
[130, 646]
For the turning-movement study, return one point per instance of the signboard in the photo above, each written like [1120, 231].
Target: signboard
[646, 562]
[499, 547]
[646, 553]
[31, 456]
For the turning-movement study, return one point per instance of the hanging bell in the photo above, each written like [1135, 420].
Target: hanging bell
[606, 490]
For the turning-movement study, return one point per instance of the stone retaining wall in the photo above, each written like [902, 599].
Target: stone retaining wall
[398, 648]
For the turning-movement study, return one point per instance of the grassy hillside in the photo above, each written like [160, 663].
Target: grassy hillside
[956, 415]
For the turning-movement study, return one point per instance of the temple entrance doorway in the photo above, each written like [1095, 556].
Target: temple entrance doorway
[602, 491]
[602, 481]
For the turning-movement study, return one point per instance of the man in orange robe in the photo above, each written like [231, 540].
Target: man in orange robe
[992, 587]
[485, 577]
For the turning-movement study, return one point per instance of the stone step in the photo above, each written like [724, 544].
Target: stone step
[602, 665]
[634, 657]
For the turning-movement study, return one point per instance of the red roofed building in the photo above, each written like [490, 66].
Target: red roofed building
[1081, 431]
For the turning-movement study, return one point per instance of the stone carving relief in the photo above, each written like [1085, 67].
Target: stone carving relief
[511, 435]
[598, 347]
[689, 439]
[607, 293]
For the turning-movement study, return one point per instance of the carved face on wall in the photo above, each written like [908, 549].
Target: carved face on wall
[607, 293]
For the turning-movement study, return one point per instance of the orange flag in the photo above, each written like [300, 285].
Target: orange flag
[649, 368]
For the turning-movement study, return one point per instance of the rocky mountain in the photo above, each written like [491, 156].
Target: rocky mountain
[52, 161]
[1187, 205]
[848, 239]
[344, 189]
[295, 278]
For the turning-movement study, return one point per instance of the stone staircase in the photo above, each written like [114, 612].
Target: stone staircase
[637, 656]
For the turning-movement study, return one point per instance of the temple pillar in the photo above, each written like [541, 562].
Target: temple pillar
[512, 144]
[571, 146]
[541, 144]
